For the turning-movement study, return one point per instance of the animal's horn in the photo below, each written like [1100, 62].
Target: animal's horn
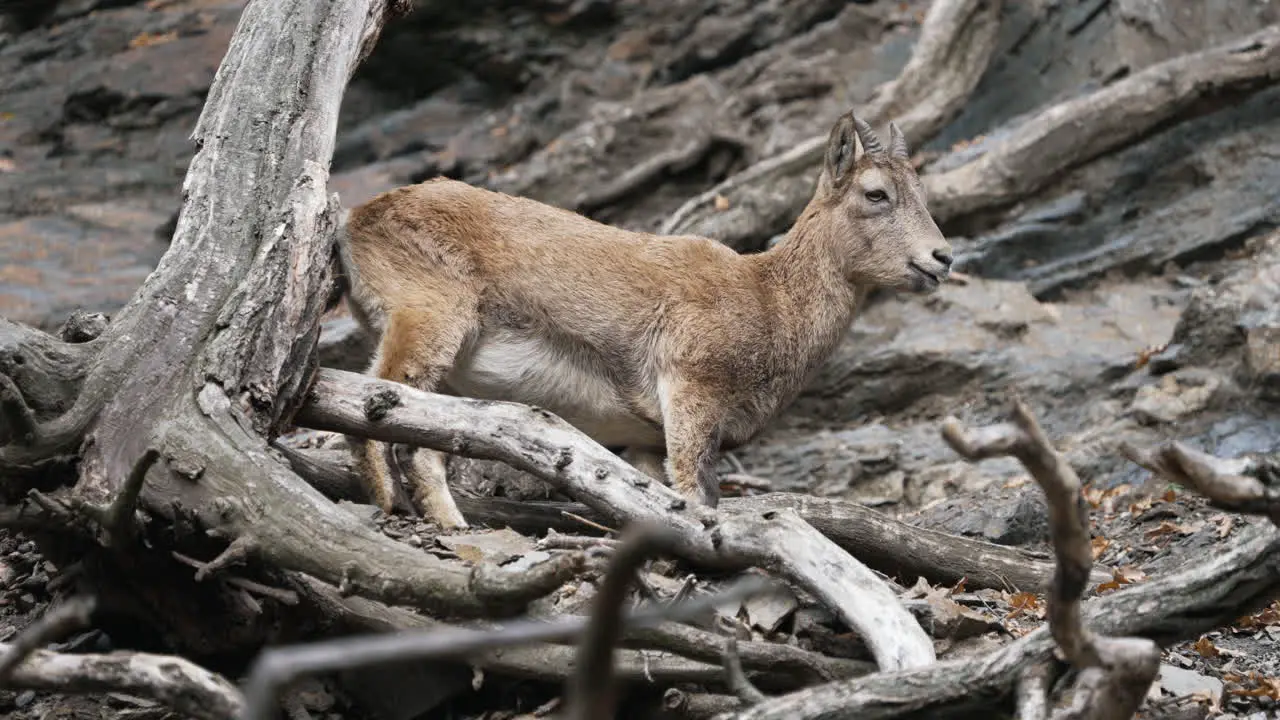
[867, 137]
[897, 143]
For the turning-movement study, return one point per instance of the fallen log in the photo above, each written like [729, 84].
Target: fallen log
[890, 546]
[539, 442]
[1243, 576]
[955, 45]
[1073, 132]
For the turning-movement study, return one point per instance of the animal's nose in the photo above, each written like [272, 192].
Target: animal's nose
[943, 257]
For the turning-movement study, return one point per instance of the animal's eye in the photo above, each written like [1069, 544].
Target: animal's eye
[876, 196]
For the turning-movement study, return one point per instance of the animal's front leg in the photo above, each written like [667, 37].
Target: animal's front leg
[693, 424]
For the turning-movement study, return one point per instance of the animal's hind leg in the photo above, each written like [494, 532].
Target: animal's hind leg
[417, 348]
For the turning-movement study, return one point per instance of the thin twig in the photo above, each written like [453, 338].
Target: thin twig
[288, 597]
[55, 624]
[588, 523]
[282, 665]
[558, 541]
[591, 688]
[737, 677]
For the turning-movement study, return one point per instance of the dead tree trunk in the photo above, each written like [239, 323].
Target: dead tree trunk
[209, 360]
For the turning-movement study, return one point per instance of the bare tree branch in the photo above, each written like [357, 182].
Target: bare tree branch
[57, 622]
[281, 665]
[591, 693]
[538, 442]
[172, 681]
[883, 543]
[1033, 693]
[738, 682]
[1228, 484]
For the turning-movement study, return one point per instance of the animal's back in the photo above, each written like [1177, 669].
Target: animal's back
[572, 311]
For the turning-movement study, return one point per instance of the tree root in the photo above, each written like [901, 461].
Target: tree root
[540, 443]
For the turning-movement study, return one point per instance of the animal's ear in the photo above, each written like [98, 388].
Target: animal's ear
[843, 149]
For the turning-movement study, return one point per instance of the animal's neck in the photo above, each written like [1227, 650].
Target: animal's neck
[807, 276]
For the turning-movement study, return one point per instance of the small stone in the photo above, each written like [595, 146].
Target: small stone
[1179, 682]
[415, 540]
[24, 699]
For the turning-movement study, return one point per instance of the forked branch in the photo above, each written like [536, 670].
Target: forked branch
[1116, 672]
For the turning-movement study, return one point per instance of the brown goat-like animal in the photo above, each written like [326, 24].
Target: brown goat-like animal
[675, 347]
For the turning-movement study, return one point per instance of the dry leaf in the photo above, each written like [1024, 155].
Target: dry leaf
[1140, 505]
[721, 202]
[1225, 523]
[1100, 545]
[1106, 587]
[959, 586]
[1206, 648]
[1128, 574]
[146, 39]
[1169, 495]
[1269, 615]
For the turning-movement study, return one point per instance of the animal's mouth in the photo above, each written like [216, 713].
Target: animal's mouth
[928, 279]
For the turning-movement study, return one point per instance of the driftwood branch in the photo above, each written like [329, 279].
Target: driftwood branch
[540, 443]
[56, 623]
[172, 681]
[1078, 130]
[279, 666]
[737, 678]
[883, 543]
[1232, 484]
[955, 45]
[591, 692]
[1116, 672]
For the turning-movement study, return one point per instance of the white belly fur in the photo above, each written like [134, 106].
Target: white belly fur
[509, 365]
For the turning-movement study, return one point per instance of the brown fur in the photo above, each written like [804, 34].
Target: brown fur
[673, 346]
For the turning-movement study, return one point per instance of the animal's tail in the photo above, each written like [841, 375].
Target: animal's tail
[344, 277]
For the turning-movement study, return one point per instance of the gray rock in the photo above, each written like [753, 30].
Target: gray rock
[1179, 682]
[1004, 516]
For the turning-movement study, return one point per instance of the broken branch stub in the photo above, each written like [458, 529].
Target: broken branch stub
[542, 444]
[1228, 484]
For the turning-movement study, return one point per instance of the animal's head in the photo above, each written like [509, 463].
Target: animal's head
[872, 207]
